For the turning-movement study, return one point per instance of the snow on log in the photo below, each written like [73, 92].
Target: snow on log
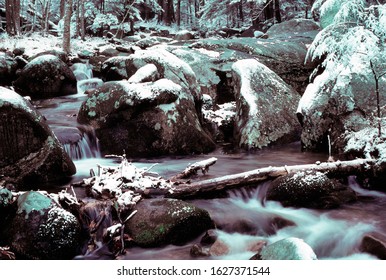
[192, 169]
[332, 169]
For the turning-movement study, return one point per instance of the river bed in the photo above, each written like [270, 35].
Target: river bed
[244, 216]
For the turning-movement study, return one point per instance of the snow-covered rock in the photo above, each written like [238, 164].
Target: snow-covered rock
[309, 189]
[169, 67]
[8, 67]
[293, 28]
[145, 119]
[167, 221]
[265, 106]
[285, 57]
[147, 73]
[184, 35]
[339, 103]
[291, 248]
[46, 76]
[30, 153]
[43, 230]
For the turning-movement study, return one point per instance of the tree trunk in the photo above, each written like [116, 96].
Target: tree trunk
[67, 28]
[77, 17]
[46, 16]
[82, 27]
[332, 169]
[62, 8]
[12, 17]
[178, 13]
[277, 11]
[268, 10]
[241, 12]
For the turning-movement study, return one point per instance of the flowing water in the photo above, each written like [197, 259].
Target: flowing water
[244, 217]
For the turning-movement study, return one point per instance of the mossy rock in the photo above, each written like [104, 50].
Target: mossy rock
[42, 230]
[167, 221]
[309, 189]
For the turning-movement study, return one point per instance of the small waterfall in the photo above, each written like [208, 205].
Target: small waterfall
[86, 84]
[82, 143]
[82, 71]
[86, 147]
[84, 77]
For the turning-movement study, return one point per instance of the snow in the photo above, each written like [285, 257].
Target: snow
[209, 53]
[164, 57]
[223, 115]
[245, 69]
[146, 72]
[8, 96]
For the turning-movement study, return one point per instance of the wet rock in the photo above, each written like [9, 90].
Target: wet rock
[265, 106]
[5, 198]
[288, 249]
[374, 245]
[167, 221]
[29, 153]
[219, 248]
[97, 62]
[85, 54]
[42, 230]
[46, 76]
[309, 189]
[198, 251]
[209, 238]
[145, 119]
[8, 67]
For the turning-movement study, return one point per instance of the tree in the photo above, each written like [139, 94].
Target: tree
[67, 28]
[12, 8]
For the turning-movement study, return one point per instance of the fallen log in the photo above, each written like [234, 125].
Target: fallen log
[332, 169]
[192, 169]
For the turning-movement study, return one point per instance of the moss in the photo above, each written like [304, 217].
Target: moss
[32, 201]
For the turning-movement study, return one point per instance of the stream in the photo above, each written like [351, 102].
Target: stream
[244, 216]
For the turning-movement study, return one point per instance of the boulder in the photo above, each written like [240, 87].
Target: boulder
[42, 230]
[147, 119]
[338, 103]
[5, 198]
[286, 57]
[58, 53]
[265, 106]
[46, 76]
[169, 67]
[374, 245]
[147, 73]
[293, 27]
[288, 249]
[309, 189]
[167, 221]
[29, 152]
[151, 41]
[184, 35]
[8, 67]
